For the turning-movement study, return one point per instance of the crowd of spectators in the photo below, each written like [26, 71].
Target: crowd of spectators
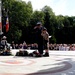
[24, 45]
[60, 47]
[34, 46]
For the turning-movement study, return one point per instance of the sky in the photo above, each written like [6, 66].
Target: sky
[59, 7]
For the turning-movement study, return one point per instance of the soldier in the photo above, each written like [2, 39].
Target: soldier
[39, 37]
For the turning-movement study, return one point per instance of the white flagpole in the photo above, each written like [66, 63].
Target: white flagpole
[1, 18]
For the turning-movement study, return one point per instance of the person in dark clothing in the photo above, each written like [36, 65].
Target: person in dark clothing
[39, 37]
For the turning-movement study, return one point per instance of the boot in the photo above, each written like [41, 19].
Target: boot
[46, 54]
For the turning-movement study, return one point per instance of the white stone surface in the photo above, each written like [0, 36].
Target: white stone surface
[30, 65]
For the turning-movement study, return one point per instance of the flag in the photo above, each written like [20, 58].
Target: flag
[0, 24]
[7, 24]
[0, 18]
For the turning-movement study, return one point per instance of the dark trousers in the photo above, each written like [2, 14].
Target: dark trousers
[45, 44]
[40, 47]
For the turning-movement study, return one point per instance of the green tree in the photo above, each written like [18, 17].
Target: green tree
[50, 21]
[37, 16]
[66, 22]
[60, 20]
[19, 14]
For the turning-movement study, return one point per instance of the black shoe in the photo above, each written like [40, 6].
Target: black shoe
[46, 54]
[38, 55]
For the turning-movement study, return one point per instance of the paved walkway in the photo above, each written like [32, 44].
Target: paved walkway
[59, 63]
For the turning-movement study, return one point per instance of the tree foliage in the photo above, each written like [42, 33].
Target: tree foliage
[19, 14]
[22, 20]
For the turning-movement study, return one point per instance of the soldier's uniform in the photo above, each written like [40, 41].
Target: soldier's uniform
[39, 38]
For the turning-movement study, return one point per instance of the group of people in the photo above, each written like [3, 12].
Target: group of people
[24, 46]
[41, 45]
[42, 39]
[62, 47]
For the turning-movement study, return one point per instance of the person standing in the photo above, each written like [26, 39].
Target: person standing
[4, 42]
[39, 37]
[45, 35]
